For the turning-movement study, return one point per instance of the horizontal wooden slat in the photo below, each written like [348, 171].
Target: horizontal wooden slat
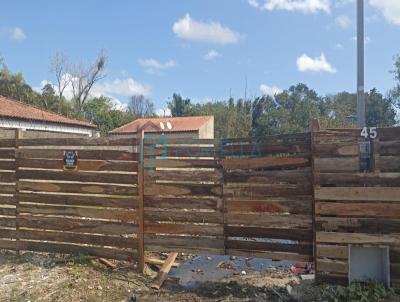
[195, 202]
[180, 151]
[332, 266]
[98, 201]
[272, 233]
[358, 225]
[183, 175]
[183, 189]
[76, 225]
[390, 133]
[177, 229]
[154, 139]
[8, 233]
[255, 191]
[388, 163]
[154, 163]
[184, 241]
[110, 214]
[77, 176]
[7, 143]
[9, 222]
[332, 251]
[7, 188]
[7, 211]
[337, 164]
[183, 216]
[358, 238]
[102, 141]
[269, 177]
[389, 147]
[304, 249]
[100, 240]
[7, 200]
[358, 209]
[358, 194]
[336, 149]
[265, 162]
[359, 179]
[109, 253]
[82, 188]
[270, 255]
[7, 153]
[82, 154]
[204, 250]
[7, 244]
[7, 165]
[272, 206]
[271, 221]
[84, 165]
[7, 176]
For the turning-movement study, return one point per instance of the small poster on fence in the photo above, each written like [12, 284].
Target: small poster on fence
[70, 160]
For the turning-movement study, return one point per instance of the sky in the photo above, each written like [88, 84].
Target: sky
[203, 49]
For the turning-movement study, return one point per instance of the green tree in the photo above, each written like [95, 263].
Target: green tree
[395, 92]
[179, 106]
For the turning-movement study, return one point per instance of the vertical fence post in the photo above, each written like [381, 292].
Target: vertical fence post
[314, 129]
[140, 173]
[18, 135]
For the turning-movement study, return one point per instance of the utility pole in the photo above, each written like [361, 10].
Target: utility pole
[360, 65]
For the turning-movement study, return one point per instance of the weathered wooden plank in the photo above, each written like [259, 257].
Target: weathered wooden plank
[163, 272]
[109, 253]
[184, 241]
[389, 164]
[204, 250]
[7, 164]
[7, 143]
[105, 213]
[272, 233]
[8, 233]
[183, 189]
[183, 216]
[153, 163]
[7, 200]
[332, 266]
[336, 149]
[7, 188]
[358, 209]
[195, 202]
[7, 244]
[270, 139]
[82, 188]
[178, 229]
[336, 279]
[337, 164]
[301, 206]
[358, 193]
[265, 162]
[254, 191]
[7, 176]
[7, 153]
[101, 141]
[77, 176]
[389, 133]
[304, 249]
[332, 251]
[92, 239]
[84, 165]
[359, 179]
[270, 221]
[160, 140]
[390, 148]
[76, 225]
[269, 177]
[82, 154]
[7, 211]
[180, 151]
[358, 238]
[270, 255]
[183, 175]
[8, 222]
[358, 225]
[76, 200]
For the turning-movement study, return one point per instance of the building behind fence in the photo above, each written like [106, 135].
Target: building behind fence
[298, 197]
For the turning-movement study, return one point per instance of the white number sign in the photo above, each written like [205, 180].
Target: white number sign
[370, 132]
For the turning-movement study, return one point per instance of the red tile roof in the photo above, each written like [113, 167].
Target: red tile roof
[15, 109]
[179, 124]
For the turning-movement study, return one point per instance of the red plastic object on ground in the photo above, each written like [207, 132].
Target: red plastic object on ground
[302, 268]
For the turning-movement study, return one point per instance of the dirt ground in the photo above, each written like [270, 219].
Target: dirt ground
[42, 277]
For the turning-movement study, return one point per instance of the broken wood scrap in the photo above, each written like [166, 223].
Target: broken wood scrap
[156, 261]
[163, 273]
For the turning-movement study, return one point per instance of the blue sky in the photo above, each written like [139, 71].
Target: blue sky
[203, 49]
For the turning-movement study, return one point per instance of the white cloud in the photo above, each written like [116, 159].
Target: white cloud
[163, 112]
[318, 64]
[305, 6]
[13, 33]
[123, 87]
[343, 22]
[389, 8]
[210, 32]
[270, 90]
[211, 55]
[153, 65]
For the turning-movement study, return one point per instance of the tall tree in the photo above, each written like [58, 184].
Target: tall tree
[395, 92]
[179, 106]
[59, 65]
[139, 106]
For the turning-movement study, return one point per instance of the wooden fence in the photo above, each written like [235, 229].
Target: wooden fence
[295, 197]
